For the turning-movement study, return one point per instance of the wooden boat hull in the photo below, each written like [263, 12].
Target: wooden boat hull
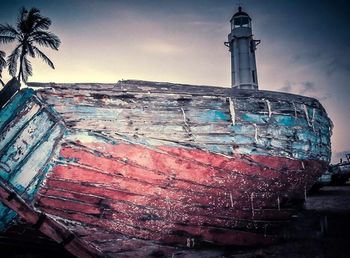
[139, 166]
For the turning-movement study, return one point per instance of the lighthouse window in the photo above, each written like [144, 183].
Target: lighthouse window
[237, 22]
[245, 22]
[241, 22]
[253, 75]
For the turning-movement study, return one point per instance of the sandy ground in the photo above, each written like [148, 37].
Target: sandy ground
[321, 229]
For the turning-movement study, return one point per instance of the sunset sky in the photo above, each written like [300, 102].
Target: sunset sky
[304, 46]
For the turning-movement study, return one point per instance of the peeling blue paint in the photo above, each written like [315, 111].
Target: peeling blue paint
[300, 146]
[278, 144]
[28, 138]
[24, 143]
[285, 120]
[94, 111]
[3, 210]
[240, 139]
[16, 125]
[280, 132]
[214, 116]
[321, 120]
[255, 118]
[217, 139]
[9, 111]
[249, 150]
[35, 161]
[34, 186]
[306, 135]
[7, 216]
[325, 139]
[246, 129]
[218, 149]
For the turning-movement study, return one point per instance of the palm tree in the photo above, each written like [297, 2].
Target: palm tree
[2, 65]
[30, 32]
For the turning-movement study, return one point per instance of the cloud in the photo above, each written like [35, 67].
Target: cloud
[287, 87]
[161, 47]
[208, 26]
[337, 64]
[308, 87]
[325, 97]
[306, 57]
[298, 87]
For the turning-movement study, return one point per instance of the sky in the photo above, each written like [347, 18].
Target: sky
[304, 46]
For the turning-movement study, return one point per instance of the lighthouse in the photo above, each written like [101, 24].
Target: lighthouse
[242, 47]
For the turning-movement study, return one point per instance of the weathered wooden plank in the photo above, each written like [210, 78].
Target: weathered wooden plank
[239, 165]
[8, 216]
[30, 135]
[152, 117]
[178, 186]
[15, 126]
[164, 88]
[150, 218]
[158, 161]
[9, 111]
[210, 197]
[173, 234]
[148, 210]
[264, 143]
[140, 100]
[49, 227]
[276, 104]
[159, 202]
[37, 160]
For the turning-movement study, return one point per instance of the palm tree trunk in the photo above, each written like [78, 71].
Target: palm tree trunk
[20, 65]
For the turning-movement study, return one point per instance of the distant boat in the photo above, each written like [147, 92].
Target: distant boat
[341, 172]
[139, 167]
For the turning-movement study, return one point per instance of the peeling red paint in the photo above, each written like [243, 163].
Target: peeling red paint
[169, 194]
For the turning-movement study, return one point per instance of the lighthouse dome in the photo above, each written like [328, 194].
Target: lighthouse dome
[240, 19]
[240, 13]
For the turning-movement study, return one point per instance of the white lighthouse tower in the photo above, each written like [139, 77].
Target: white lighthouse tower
[242, 47]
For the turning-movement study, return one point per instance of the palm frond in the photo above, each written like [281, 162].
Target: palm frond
[12, 61]
[46, 39]
[32, 18]
[44, 57]
[6, 39]
[8, 30]
[2, 64]
[42, 24]
[22, 15]
[27, 69]
[33, 11]
[30, 49]
[2, 61]
[2, 54]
